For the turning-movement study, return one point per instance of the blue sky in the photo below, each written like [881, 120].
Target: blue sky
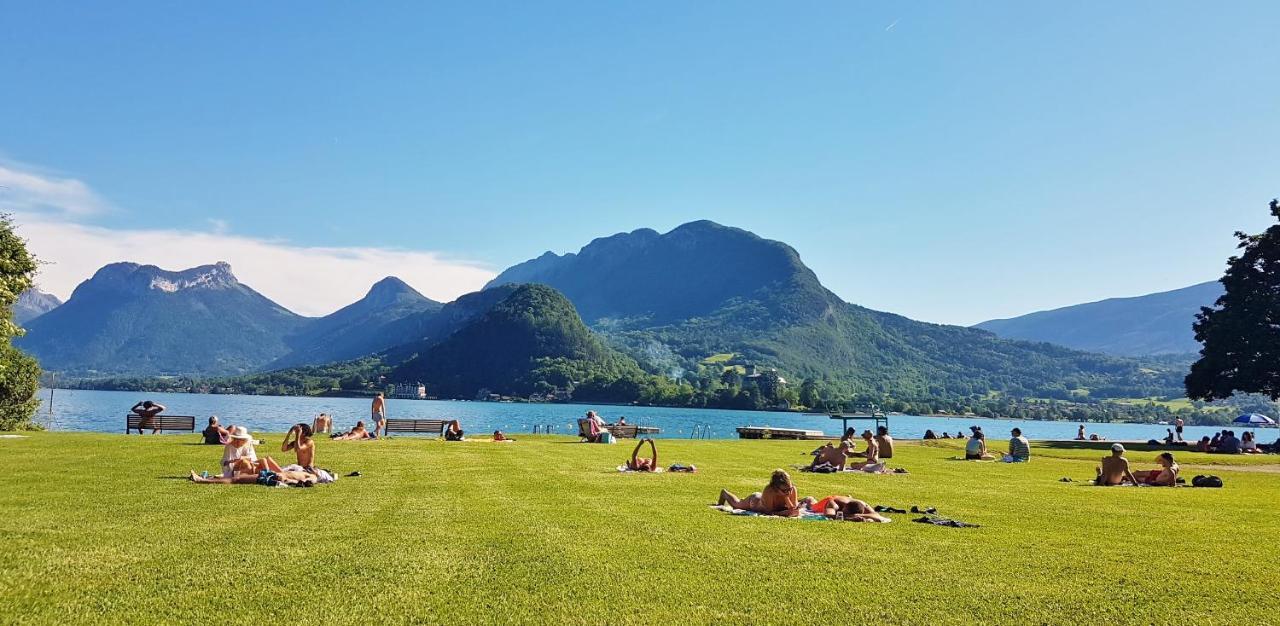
[953, 162]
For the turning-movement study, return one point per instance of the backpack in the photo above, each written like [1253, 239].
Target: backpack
[1206, 481]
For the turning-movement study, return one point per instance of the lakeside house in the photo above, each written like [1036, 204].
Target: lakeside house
[409, 391]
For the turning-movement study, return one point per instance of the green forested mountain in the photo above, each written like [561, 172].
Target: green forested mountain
[371, 324]
[675, 300]
[531, 341]
[1154, 324]
[132, 319]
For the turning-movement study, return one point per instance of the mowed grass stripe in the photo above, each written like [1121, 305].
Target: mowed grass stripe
[103, 528]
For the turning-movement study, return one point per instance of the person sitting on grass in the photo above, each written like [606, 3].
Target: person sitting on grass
[1229, 444]
[976, 448]
[1166, 476]
[638, 464]
[885, 442]
[847, 508]
[239, 447]
[298, 439]
[356, 433]
[1204, 445]
[214, 434]
[835, 457]
[1080, 436]
[778, 498]
[945, 435]
[929, 434]
[322, 424]
[499, 436]
[1019, 448]
[147, 410]
[872, 464]
[453, 431]
[1248, 444]
[1114, 469]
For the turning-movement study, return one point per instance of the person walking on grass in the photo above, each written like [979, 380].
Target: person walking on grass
[1019, 448]
[379, 415]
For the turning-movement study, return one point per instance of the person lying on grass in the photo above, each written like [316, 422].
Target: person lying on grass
[1164, 476]
[244, 475]
[637, 464]
[847, 508]
[833, 456]
[354, 434]
[976, 448]
[1114, 469]
[778, 498]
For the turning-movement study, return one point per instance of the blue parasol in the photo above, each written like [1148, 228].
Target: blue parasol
[1255, 419]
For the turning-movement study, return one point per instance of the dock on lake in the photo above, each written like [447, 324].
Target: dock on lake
[766, 432]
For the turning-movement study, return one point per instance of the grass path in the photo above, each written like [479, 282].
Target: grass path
[104, 528]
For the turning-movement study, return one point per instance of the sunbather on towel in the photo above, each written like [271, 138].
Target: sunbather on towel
[833, 456]
[263, 477]
[1114, 469]
[355, 433]
[637, 464]
[778, 498]
[854, 510]
[1166, 476]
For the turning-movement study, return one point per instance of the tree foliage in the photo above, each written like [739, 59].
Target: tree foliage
[1240, 334]
[19, 373]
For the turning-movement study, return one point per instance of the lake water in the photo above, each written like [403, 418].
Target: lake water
[104, 411]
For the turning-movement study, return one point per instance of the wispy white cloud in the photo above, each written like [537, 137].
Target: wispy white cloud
[51, 211]
[890, 26]
[27, 190]
[311, 280]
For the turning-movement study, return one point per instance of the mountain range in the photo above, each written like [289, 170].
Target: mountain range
[1154, 324]
[33, 303]
[680, 304]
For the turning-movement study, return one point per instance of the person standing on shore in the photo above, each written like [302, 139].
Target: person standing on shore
[379, 414]
[1177, 428]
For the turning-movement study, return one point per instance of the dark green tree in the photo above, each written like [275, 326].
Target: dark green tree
[1240, 334]
[19, 373]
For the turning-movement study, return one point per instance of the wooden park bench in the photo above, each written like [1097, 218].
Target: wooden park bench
[133, 421]
[624, 432]
[434, 427]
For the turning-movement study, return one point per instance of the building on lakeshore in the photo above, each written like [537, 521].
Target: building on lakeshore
[409, 391]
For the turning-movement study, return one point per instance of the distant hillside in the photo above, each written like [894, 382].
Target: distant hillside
[672, 300]
[1155, 324]
[530, 341]
[33, 303]
[133, 319]
[367, 326]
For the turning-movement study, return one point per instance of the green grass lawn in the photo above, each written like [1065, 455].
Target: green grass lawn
[105, 528]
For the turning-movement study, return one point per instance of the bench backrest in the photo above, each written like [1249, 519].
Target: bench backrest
[435, 427]
[133, 421]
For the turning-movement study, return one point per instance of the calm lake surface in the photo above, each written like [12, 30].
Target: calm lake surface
[103, 411]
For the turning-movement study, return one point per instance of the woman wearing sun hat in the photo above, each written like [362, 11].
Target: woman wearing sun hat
[239, 454]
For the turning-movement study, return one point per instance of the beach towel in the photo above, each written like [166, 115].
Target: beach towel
[623, 468]
[943, 521]
[805, 514]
